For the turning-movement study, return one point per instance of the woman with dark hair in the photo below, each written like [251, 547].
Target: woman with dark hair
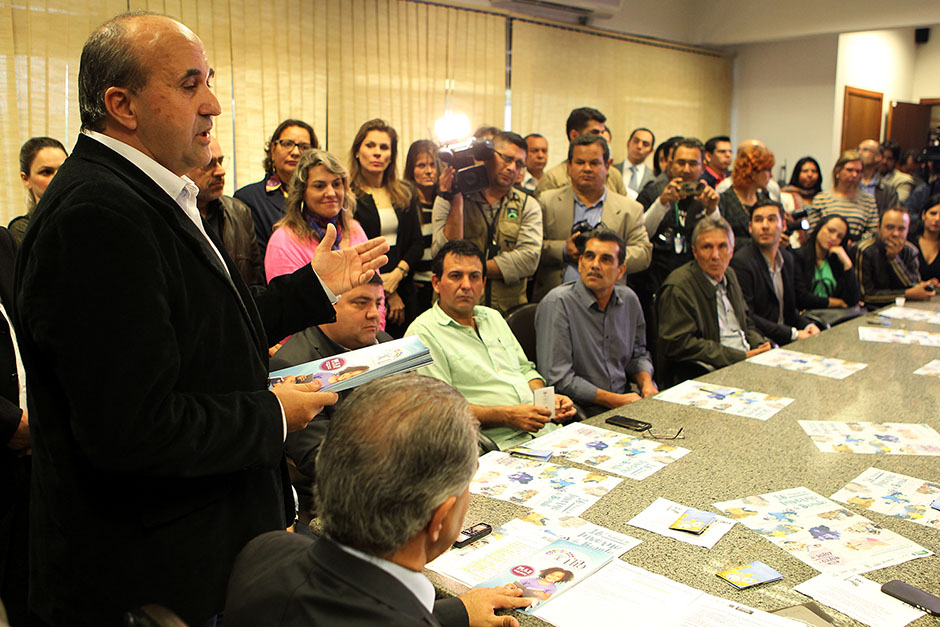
[422, 170]
[387, 207]
[827, 268]
[926, 237]
[40, 159]
[806, 181]
[290, 140]
[749, 178]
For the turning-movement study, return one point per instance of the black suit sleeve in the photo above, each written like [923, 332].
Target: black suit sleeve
[749, 280]
[410, 243]
[451, 613]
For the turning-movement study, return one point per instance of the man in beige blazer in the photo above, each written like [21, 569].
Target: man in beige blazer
[588, 200]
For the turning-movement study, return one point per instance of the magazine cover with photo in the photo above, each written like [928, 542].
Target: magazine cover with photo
[550, 571]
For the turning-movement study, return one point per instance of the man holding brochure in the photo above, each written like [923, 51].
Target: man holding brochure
[475, 351]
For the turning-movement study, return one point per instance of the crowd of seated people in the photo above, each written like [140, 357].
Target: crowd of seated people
[642, 275]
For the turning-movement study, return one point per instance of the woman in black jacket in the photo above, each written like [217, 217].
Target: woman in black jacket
[386, 206]
[827, 268]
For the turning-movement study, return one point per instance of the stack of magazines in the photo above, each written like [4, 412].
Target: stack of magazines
[348, 370]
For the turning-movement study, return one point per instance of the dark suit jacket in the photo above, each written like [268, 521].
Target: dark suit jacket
[687, 315]
[157, 449]
[754, 277]
[285, 580]
[14, 470]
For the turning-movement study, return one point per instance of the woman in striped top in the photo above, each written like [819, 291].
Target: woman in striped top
[848, 200]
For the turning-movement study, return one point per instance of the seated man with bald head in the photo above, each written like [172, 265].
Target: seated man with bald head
[394, 486]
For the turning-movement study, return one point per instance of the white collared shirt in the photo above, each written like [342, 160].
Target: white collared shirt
[416, 583]
[180, 188]
[20, 370]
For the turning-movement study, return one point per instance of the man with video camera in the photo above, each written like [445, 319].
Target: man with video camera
[569, 212]
[504, 222]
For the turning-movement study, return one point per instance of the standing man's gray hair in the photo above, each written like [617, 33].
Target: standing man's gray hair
[108, 60]
[397, 448]
[712, 223]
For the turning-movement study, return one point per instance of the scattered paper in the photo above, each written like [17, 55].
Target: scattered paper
[615, 452]
[484, 558]
[822, 533]
[898, 336]
[541, 486]
[879, 438]
[810, 364]
[906, 313]
[724, 399]
[931, 369]
[860, 598]
[893, 495]
[620, 593]
[547, 529]
[663, 512]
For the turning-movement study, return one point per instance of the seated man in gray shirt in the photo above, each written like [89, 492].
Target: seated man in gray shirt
[701, 310]
[591, 335]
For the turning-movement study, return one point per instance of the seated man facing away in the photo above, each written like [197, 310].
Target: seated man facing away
[356, 326]
[701, 310]
[768, 277]
[591, 333]
[395, 471]
[475, 351]
[888, 266]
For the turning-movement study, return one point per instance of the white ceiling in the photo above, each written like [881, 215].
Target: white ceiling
[719, 23]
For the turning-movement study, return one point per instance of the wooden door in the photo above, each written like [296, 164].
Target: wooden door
[861, 116]
[908, 125]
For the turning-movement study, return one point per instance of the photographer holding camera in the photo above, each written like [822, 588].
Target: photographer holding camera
[569, 212]
[671, 219]
[479, 203]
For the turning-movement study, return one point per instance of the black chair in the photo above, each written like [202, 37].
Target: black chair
[521, 321]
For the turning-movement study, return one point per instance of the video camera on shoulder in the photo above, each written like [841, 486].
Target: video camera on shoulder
[800, 221]
[470, 176]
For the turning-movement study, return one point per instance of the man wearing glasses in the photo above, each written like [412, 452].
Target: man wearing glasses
[569, 211]
[291, 139]
[504, 222]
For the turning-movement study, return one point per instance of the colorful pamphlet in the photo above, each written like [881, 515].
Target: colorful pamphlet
[756, 572]
[662, 514]
[908, 313]
[549, 572]
[898, 336]
[522, 536]
[879, 438]
[810, 364]
[528, 453]
[694, 521]
[822, 533]
[724, 399]
[544, 487]
[895, 495]
[930, 369]
[612, 451]
[348, 370]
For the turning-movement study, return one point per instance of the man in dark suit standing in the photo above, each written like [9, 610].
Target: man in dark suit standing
[394, 486]
[14, 450]
[768, 277]
[157, 448]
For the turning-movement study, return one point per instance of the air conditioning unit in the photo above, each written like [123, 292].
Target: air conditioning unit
[579, 12]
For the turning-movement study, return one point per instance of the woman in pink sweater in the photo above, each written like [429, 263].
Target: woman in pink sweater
[318, 195]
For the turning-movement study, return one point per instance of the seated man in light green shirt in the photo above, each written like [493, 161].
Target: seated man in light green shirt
[475, 351]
